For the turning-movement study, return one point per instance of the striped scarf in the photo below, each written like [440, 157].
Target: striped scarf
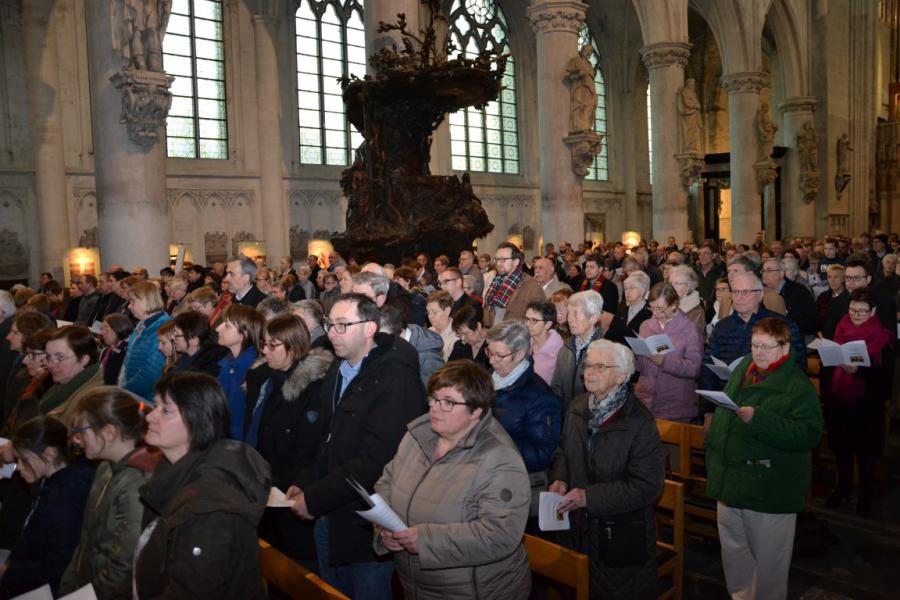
[604, 408]
[502, 289]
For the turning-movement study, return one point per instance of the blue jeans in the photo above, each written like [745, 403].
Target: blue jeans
[360, 581]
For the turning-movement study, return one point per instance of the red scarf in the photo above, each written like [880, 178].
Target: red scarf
[598, 283]
[847, 387]
[756, 375]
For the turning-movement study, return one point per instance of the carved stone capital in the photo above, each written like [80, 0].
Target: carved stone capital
[664, 54]
[690, 165]
[744, 83]
[810, 183]
[584, 147]
[146, 101]
[766, 172]
[798, 104]
[557, 15]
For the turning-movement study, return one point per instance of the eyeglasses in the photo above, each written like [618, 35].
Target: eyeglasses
[745, 292]
[445, 403]
[859, 312]
[449, 279]
[502, 258]
[274, 345]
[59, 358]
[339, 327]
[178, 335]
[855, 277]
[36, 355]
[492, 355]
[772, 270]
[763, 347]
[660, 309]
[79, 430]
[599, 367]
[533, 321]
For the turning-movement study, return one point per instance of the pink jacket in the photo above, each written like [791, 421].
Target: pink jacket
[669, 390]
[545, 358]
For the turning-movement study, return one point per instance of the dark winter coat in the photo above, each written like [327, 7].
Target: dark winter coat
[362, 431]
[531, 415]
[568, 378]
[206, 509]
[205, 360]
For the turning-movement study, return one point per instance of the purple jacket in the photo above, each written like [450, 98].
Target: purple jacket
[669, 391]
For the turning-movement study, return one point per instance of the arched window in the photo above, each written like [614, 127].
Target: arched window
[599, 171]
[649, 135]
[194, 53]
[331, 43]
[486, 139]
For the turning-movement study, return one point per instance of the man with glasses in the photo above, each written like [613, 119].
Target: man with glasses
[367, 398]
[512, 290]
[857, 274]
[451, 280]
[730, 338]
[801, 308]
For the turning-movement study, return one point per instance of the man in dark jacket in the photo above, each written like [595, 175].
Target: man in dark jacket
[801, 309]
[239, 277]
[708, 271]
[368, 397]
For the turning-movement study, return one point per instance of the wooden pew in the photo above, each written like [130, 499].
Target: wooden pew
[558, 564]
[281, 572]
[670, 513]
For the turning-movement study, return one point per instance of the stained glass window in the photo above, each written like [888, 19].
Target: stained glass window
[649, 135]
[331, 43]
[599, 170]
[486, 139]
[194, 53]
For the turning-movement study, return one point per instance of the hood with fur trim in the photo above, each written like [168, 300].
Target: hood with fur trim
[310, 369]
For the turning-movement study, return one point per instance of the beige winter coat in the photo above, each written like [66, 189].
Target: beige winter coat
[470, 509]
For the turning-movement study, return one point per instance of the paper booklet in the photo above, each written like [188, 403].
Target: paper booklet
[719, 399]
[549, 519]
[278, 499]
[381, 513]
[723, 370]
[655, 344]
[833, 354]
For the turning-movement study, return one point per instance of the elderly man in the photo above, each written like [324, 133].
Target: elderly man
[467, 266]
[368, 396]
[730, 337]
[512, 290]
[240, 275]
[545, 274]
[801, 309]
[771, 299]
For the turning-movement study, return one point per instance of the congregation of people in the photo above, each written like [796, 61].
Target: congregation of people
[149, 417]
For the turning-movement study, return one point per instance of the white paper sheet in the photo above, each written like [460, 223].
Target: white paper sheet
[655, 344]
[60, 323]
[549, 519]
[41, 593]
[719, 399]
[723, 370]
[277, 499]
[852, 353]
[85, 593]
[383, 515]
[820, 343]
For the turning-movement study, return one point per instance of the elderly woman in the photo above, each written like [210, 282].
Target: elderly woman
[583, 312]
[545, 341]
[459, 484]
[684, 279]
[204, 501]
[610, 463]
[438, 310]
[758, 460]
[630, 316]
[143, 364]
[525, 404]
[668, 381]
[857, 398]
[72, 359]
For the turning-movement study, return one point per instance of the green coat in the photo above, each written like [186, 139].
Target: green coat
[765, 465]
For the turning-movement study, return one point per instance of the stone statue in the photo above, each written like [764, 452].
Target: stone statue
[765, 129]
[582, 92]
[689, 125]
[842, 173]
[808, 146]
[138, 28]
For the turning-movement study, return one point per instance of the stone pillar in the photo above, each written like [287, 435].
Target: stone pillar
[275, 221]
[798, 214]
[44, 99]
[556, 24]
[864, 99]
[743, 102]
[129, 158]
[665, 63]
[387, 11]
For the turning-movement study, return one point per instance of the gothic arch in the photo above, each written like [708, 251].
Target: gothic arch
[790, 34]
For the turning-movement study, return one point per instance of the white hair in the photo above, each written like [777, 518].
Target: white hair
[689, 274]
[640, 279]
[624, 356]
[591, 301]
[7, 304]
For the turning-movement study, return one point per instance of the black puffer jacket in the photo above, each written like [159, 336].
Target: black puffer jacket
[206, 509]
[362, 431]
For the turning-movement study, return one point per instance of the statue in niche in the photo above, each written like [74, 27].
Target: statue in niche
[842, 173]
[765, 130]
[582, 91]
[808, 146]
[138, 28]
[689, 125]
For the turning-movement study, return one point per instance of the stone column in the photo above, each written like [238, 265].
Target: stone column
[665, 62]
[556, 24]
[387, 11]
[129, 158]
[743, 102]
[44, 96]
[798, 214]
[275, 221]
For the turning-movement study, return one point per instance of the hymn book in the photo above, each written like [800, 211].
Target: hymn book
[723, 370]
[380, 512]
[854, 354]
[655, 344]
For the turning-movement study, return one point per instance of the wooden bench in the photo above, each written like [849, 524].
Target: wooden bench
[281, 572]
[558, 564]
[670, 513]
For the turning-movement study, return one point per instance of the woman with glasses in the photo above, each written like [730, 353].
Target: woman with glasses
[24, 325]
[72, 359]
[195, 344]
[459, 484]
[143, 364]
[108, 425]
[282, 423]
[759, 465]
[545, 341]
[240, 332]
[468, 324]
[60, 486]
[668, 382]
[610, 469]
[114, 333]
[857, 398]
[25, 405]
